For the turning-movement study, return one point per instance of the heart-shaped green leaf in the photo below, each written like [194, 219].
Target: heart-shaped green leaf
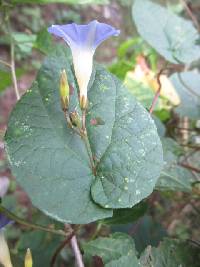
[50, 161]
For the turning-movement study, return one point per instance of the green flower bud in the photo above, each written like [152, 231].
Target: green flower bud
[64, 91]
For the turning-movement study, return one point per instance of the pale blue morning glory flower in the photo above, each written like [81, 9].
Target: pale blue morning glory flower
[83, 40]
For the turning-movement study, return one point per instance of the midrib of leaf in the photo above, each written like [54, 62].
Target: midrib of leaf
[174, 178]
[54, 128]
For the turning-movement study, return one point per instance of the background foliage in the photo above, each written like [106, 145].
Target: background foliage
[158, 50]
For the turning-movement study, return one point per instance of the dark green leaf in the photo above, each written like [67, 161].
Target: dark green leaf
[124, 216]
[51, 162]
[145, 231]
[172, 36]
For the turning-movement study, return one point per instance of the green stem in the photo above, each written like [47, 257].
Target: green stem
[97, 230]
[86, 142]
[89, 151]
[21, 221]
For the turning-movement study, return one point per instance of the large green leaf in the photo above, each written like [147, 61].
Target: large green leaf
[173, 177]
[187, 86]
[172, 36]
[50, 161]
[116, 250]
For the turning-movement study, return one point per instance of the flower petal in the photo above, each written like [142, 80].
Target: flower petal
[83, 40]
[88, 36]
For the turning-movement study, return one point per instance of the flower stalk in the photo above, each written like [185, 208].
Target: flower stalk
[23, 222]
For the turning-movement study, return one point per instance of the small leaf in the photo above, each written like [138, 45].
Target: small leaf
[116, 250]
[187, 86]
[170, 253]
[174, 177]
[173, 37]
[44, 42]
[24, 41]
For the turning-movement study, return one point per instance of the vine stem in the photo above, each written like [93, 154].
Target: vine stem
[23, 222]
[76, 250]
[190, 14]
[13, 72]
[5, 63]
[155, 99]
[97, 230]
[188, 166]
[58, 250]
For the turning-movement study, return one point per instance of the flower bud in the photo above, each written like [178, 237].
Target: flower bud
[4, 252]
[28, 262]
[64, 90]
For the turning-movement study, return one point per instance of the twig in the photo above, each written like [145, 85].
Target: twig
[15, 218]
[5, 63]
[190, 14]
[192, 168]
[12, 65]
[195, 208]
[58, 250]
[158, 91]
[185, 129]
[191, 146]
[76, 250]
[97, 230]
